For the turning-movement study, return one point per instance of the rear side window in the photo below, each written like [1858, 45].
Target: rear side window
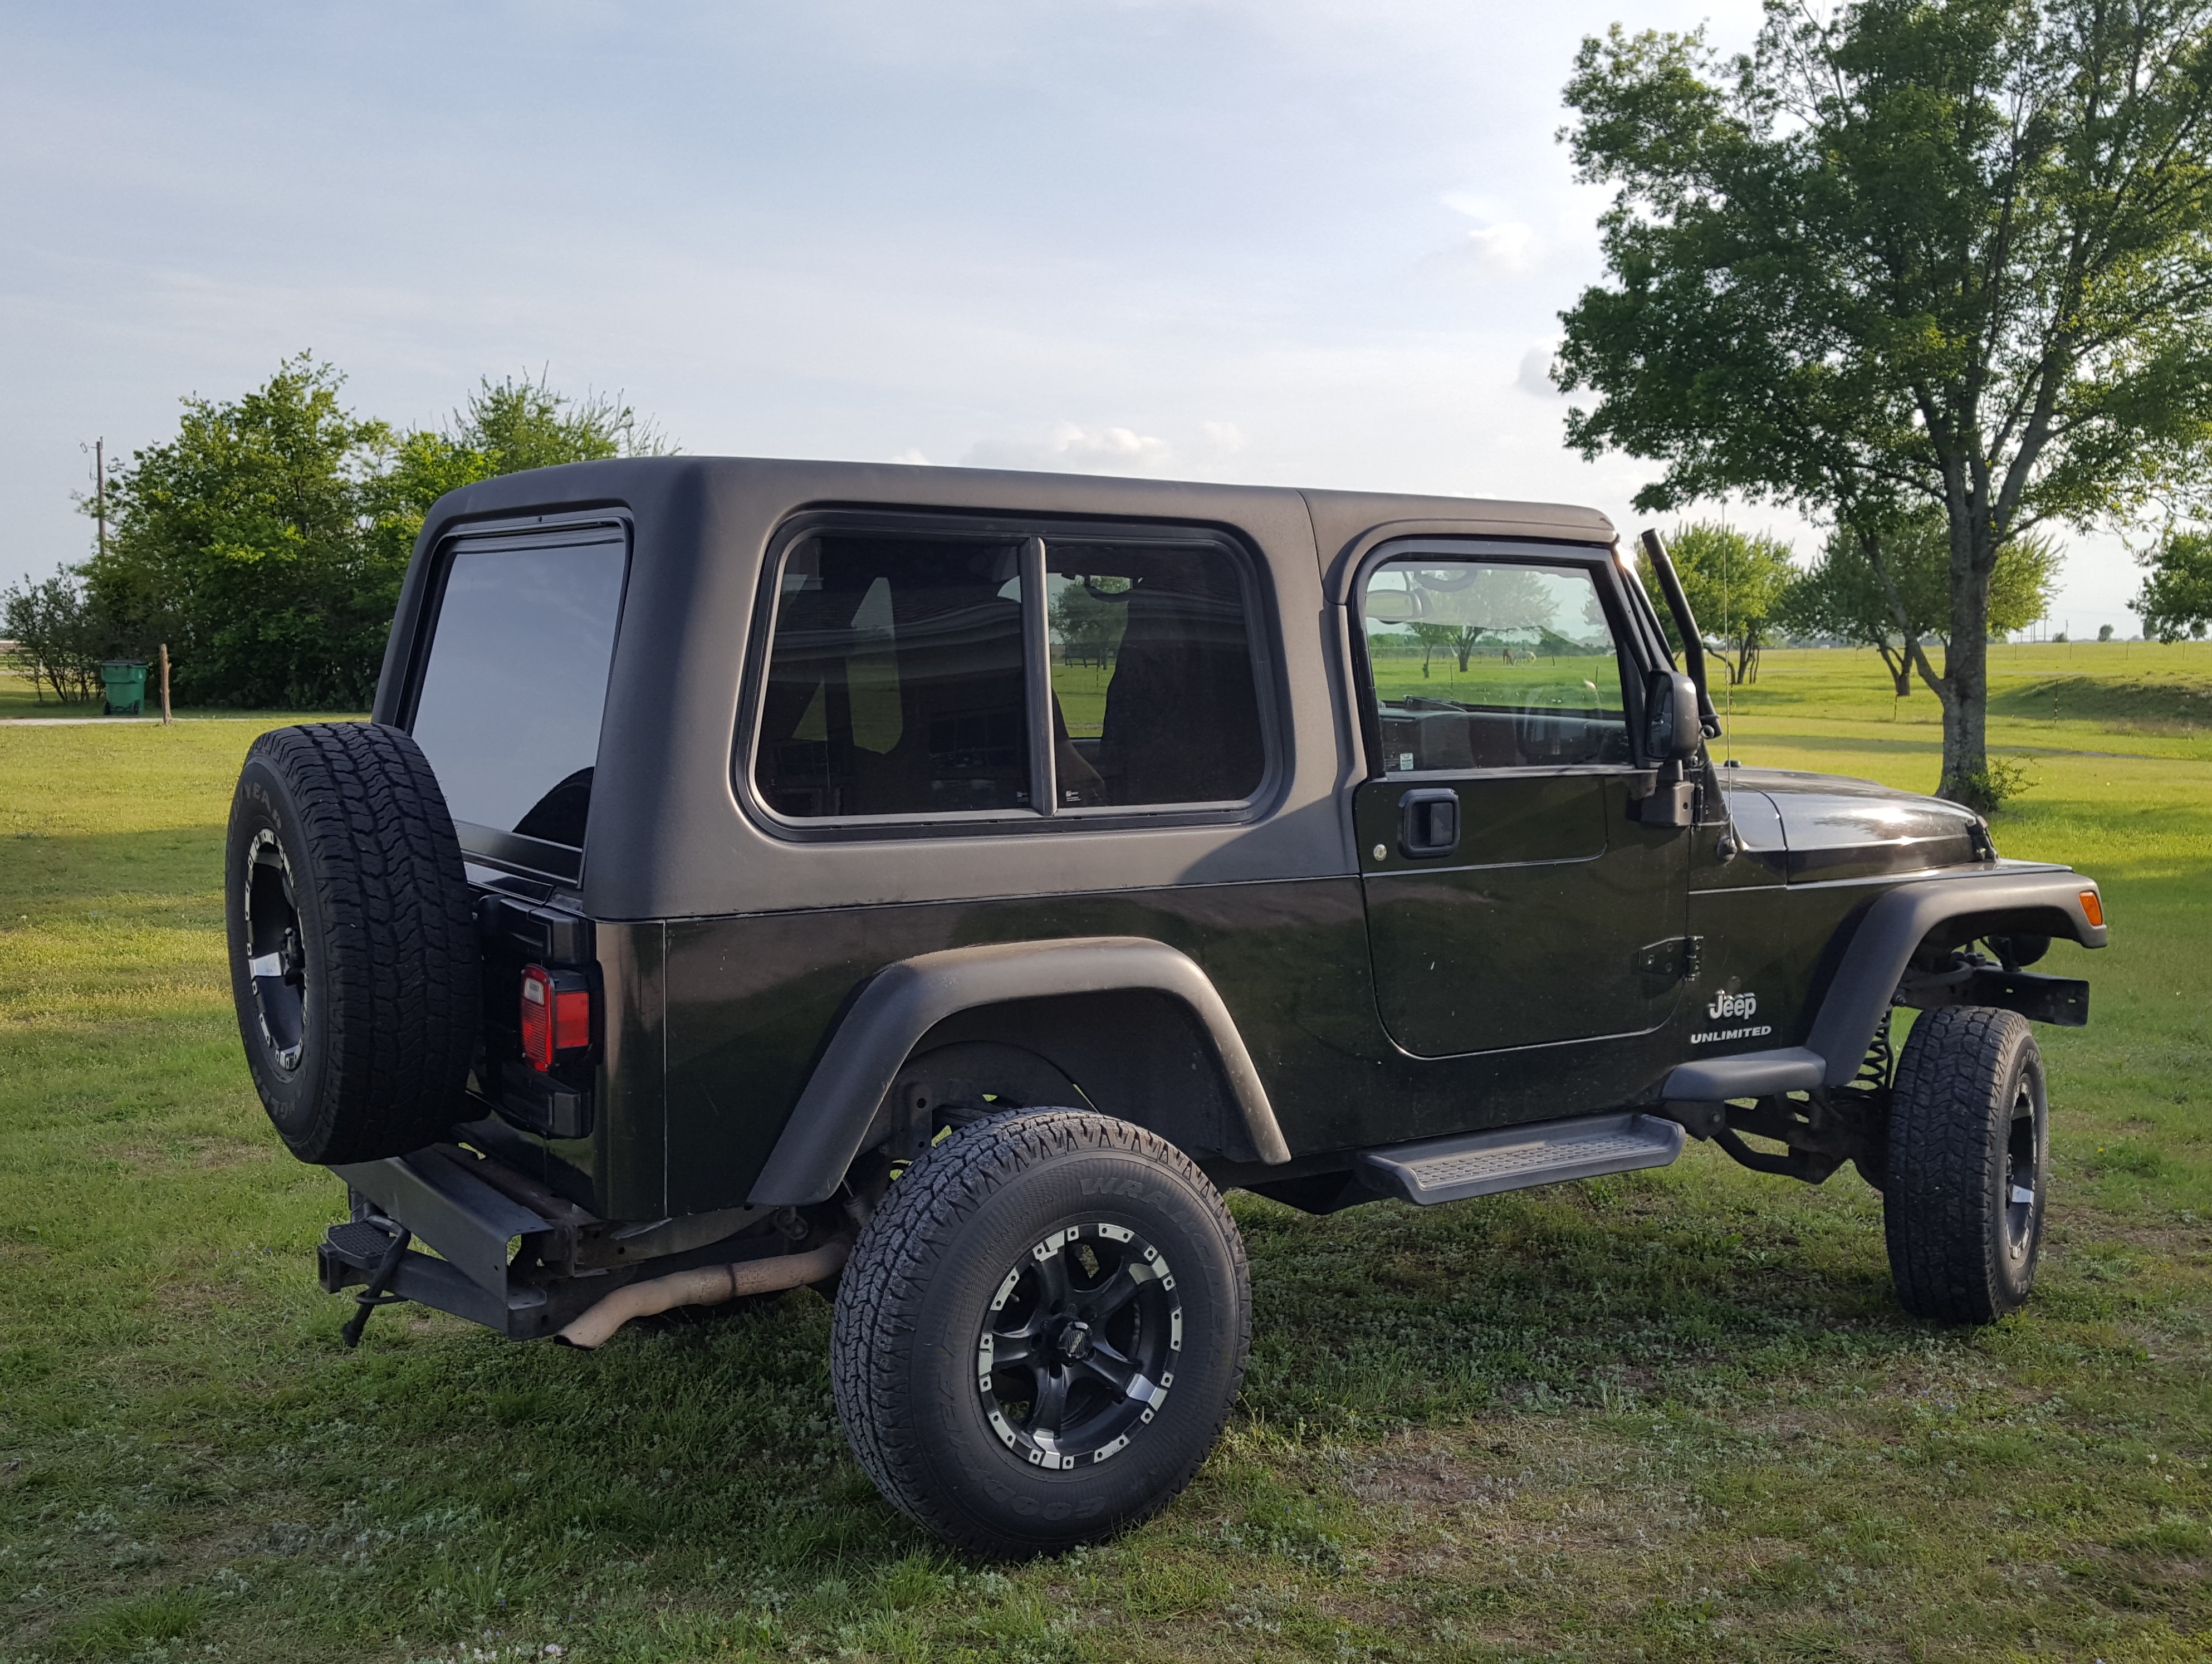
[931, 676]
[1152, 677]
[516, 682]
[896, 685]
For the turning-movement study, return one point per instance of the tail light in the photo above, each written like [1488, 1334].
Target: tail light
[556, 1015]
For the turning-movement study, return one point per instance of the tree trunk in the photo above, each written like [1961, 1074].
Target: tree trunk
[1966, 689]
[1899, 664]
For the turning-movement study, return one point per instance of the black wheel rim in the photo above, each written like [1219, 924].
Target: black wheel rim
[276, 954]
[2023, 1172]
[1079, 1345]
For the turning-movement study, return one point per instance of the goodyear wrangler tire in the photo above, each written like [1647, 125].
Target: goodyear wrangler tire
[1040, 1331]
[1969, 1153]
[353, 949]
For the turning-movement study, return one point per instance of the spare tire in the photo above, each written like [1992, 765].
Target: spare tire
[353, 944]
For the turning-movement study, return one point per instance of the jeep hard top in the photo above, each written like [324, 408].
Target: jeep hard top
[938, 886]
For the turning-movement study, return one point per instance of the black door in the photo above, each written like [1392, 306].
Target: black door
[1512, 899]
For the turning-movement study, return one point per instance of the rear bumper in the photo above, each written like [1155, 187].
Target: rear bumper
[479, 1235]
[435, 1283]
[506, 1253]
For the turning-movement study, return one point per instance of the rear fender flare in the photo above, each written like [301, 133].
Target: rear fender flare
[902, 1002]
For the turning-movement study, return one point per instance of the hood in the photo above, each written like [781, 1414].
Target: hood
[1830, 826]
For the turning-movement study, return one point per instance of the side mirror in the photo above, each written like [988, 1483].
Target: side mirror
[1672, 727]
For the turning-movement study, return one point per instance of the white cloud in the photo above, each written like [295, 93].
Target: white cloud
[1534, 375]
[1506, 249]
[912, 457]
[1498, 245]
[1072, 449]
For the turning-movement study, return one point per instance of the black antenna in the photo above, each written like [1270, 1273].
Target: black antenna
[1694, 647]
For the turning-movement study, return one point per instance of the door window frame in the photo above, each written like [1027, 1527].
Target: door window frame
[1033, 536]
[1630, 645]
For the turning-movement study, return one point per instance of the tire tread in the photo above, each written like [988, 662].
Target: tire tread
[400, 961]
[1944, 1137]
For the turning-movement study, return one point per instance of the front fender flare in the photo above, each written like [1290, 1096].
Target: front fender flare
[1872, 967]
[903, 1001]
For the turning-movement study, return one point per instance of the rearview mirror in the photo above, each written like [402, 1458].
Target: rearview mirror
[1671, 725]
[1393, 606]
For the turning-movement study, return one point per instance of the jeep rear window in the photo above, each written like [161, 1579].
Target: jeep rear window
[516, 683]
[933, 676]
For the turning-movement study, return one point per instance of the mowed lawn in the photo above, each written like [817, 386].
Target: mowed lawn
[1672, 1416]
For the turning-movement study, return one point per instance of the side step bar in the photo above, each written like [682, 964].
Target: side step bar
[1515, 1157]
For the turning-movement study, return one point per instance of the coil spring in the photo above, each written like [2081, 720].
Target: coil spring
[1880, 1065]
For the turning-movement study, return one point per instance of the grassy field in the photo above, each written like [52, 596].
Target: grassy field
[1675, 1416]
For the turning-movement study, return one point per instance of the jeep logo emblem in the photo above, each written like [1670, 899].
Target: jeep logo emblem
[1732, 1005]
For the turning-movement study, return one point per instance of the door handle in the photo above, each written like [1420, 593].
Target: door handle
[1428, 823]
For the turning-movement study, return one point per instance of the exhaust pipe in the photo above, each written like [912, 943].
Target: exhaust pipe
[707, 1285]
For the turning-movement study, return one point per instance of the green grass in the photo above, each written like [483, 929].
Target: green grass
[1675, 1416]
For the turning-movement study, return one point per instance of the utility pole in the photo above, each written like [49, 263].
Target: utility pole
[100, 488]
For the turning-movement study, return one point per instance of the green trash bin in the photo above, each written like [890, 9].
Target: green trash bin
[124, 681]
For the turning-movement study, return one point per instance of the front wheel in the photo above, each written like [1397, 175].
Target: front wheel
[1969, 1153]
[1041, 1333]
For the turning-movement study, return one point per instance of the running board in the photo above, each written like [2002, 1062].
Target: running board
[1515, 1157]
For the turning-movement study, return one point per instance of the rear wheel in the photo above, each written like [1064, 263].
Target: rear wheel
[1041, 1333]
[1969, 1151]
[353, 949]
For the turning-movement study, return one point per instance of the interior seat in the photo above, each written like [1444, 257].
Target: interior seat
[1182, 716]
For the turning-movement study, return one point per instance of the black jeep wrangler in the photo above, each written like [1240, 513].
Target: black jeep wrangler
[937, 887]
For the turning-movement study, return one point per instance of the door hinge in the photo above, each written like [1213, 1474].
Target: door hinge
[1675, 960]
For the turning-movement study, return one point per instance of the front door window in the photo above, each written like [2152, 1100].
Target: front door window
[1493, 664]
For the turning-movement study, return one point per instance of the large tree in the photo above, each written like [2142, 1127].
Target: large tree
[239, 543]
[1906, 252]
[1893, 591]
[1460, 640]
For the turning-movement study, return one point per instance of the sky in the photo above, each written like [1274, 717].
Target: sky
[1316, 243]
